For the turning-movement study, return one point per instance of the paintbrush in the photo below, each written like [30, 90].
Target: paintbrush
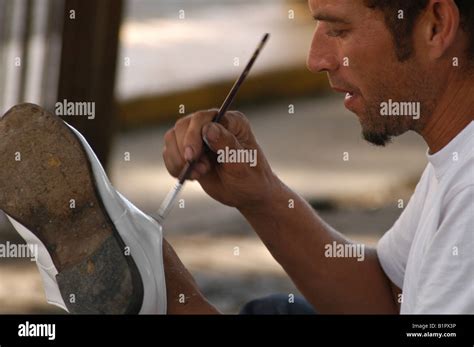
[169, 200]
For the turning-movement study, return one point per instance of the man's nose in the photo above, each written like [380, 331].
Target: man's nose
[321, 56]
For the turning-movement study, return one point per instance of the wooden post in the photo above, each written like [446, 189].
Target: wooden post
[25, 48]
[88, 65]
[52, 55]
[6, 8]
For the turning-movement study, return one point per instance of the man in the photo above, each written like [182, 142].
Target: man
[404, 65]
[378, 53]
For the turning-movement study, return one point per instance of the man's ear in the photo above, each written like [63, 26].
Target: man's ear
[441, 26]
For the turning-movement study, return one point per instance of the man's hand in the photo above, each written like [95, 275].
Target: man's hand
[233, 184]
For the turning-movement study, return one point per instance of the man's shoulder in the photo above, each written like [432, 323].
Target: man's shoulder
[460, 178]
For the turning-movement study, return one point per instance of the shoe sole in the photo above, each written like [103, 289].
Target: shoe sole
[47, 185]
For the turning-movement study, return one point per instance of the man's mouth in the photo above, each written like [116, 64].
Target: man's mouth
[346, 91]
[350, 99]
[349, 95]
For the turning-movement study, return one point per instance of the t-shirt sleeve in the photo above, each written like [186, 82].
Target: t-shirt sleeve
[394, 246]
[446, 283]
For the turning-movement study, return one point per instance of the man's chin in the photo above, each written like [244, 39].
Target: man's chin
[376, 138]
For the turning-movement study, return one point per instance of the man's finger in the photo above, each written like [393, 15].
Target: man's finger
[236, 123]
[171, 155]
[217, 137]
[192, 141]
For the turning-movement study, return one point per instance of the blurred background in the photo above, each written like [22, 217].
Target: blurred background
[146, 63]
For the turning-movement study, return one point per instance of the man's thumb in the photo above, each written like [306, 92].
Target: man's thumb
[217, 137]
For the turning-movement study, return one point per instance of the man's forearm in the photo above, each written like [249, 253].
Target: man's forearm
[297, 238]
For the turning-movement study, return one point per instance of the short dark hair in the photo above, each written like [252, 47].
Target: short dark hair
[402, 30]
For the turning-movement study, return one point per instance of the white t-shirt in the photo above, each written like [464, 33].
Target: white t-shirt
[429, 251]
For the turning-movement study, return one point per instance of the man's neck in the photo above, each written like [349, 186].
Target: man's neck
[454, 112]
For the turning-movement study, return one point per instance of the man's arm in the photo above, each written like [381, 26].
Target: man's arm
[297, 237]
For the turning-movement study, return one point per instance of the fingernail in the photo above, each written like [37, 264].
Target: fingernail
[213, 132]
[188, 153]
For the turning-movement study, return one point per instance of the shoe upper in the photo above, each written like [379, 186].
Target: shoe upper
[141, 234]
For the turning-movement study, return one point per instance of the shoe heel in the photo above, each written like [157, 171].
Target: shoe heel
[106, 282]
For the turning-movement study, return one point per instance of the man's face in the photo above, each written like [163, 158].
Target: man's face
[355, 47]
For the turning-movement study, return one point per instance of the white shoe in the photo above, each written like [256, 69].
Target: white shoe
[97, 252]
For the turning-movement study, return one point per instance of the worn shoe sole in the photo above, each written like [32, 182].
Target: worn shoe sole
[47, 186]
